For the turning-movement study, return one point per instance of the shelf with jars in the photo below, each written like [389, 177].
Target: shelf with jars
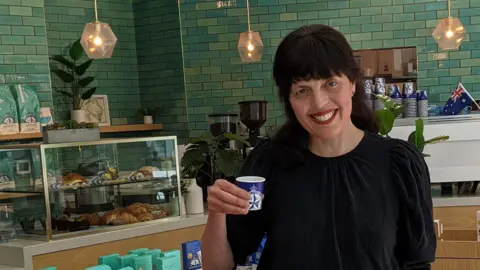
[57, 190]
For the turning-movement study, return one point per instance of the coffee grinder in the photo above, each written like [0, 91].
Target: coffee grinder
[221, 123]
[253, 114]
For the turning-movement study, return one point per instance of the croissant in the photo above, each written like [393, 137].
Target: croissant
[145, 217]
[120, 216]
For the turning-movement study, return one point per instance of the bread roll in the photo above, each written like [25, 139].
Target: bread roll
[73, 178]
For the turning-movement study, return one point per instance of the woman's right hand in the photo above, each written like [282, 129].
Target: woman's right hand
[226, 198]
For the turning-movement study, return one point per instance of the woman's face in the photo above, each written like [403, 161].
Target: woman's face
[323, 107]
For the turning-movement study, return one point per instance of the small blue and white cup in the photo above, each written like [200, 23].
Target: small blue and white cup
[255, 186]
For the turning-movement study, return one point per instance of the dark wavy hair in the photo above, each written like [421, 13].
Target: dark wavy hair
[315, 52]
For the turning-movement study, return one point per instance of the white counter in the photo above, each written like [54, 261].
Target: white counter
[19, 253]
[456, 201]
[4, 267]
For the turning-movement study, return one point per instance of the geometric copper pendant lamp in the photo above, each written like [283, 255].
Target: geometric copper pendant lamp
[449, 33]
[98, 39]
[250, 45]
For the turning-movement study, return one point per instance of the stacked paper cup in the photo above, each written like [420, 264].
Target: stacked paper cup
[422, 103]
[409, 100]
[368, 86]
[395, 95]
[379, 90]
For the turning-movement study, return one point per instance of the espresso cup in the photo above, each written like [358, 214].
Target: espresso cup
[255, 186]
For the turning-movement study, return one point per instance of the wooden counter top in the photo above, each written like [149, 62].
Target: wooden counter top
[103, 129]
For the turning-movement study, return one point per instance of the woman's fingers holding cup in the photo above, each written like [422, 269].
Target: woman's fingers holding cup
[217, 206]
[228, 198]
[231, 189]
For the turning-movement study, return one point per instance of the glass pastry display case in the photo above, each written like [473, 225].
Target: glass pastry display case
[57, 190]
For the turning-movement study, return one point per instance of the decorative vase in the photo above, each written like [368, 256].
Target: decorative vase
[194, 198]
[78, 115]
[147, 119]
[183, 209]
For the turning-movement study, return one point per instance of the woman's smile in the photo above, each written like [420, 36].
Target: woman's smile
[325, 117]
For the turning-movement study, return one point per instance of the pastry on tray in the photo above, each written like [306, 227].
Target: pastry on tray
[157, 214]
[73, 179]
[119, 216]
[66, 223]
[145, 217]
[94, 219]
[148, 170]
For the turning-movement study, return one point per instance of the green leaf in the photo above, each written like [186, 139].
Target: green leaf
[65, 93]
[228, 162]
[192, 157]
[397, 109]
[85, 81]
[88, 94]
[437, 139]
[236, 137]
[62, 60]
[81, 69]
[206, 138]
[76, 50]
[64, 76]
[385, 120]
[391, 105]
[425, 155]
[419, 139]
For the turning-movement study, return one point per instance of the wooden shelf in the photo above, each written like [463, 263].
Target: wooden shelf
[130, 128]
[104, 129]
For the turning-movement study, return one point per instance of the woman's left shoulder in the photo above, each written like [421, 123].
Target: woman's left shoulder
[399, 150]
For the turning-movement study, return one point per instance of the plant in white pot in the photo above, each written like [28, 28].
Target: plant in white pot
[148, 113]
[76, 86]
[191, 192]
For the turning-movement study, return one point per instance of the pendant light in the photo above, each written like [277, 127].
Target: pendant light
[98, 39]
[449, 33]
[250, 45]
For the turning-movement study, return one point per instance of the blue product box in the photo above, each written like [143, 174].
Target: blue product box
[192, 255]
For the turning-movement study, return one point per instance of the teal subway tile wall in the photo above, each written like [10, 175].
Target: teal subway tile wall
[116, 77]
[216, 79]
[146, 69]
[160, 67]
[23, 46]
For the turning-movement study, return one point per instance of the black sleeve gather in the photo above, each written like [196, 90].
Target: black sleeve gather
[416, 240]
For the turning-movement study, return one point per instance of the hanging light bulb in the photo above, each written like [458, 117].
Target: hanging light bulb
[449, 33]
[250, 45]
[98, 39]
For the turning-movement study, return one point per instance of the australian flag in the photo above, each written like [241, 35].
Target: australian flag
[459, 100]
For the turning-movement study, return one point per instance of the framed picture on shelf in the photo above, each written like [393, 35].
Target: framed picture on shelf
[96, 110]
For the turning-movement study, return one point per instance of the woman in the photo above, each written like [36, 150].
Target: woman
[337, 195]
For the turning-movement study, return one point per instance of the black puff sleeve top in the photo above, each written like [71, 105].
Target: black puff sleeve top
[368, 209]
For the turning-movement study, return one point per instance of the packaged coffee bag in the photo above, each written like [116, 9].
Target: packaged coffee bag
[6, 171]
[28, 108]
[8, 112]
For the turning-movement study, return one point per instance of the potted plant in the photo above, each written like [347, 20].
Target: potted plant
[386, 118]
[209, 152]
[148, 113]
[72, 74]
[71, 131]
